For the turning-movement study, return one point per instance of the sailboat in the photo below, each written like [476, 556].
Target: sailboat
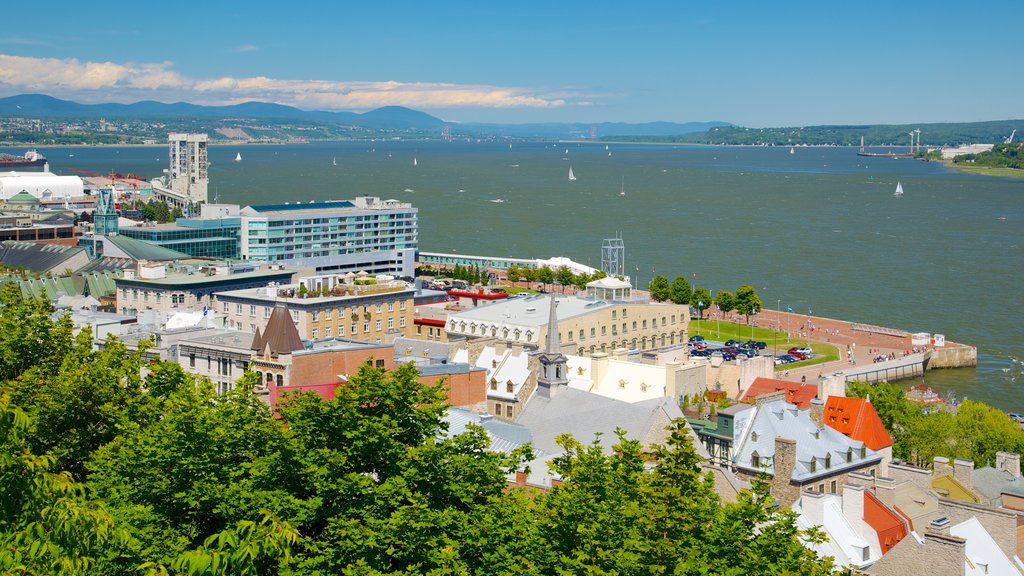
[899, 190]
[238, 157]
[335, 161]
[572, 177]
[414, 163]
[792, 150]
[622, 191]
[605, 146]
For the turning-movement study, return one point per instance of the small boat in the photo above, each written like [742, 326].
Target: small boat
[335, 161]
[605, 146]
[498, 201]
[572, 177]
[389, 154]
[414, 163]
[899, 190]
[609, 153]
[566, 150]
[792, 150]
[238, 157]
[622, 191]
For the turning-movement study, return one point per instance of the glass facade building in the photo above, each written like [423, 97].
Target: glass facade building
[212, 238]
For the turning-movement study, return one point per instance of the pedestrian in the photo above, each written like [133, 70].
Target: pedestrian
[803, 379]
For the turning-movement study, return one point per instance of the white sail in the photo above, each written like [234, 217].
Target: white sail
[238, 157]
[414, 163]
[622, 191]
[899, 189]
[571, 175]
[792, 150]
[334, 162]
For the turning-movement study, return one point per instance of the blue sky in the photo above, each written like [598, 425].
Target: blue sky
[751, 63]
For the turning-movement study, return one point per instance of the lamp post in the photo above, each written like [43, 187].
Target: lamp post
[753, 312]
[778, 327]
[700, 306]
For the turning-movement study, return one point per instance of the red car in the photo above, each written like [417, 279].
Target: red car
[797, 355]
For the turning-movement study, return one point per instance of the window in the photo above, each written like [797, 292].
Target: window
[280, 380]
[494, 384]
[634, 325]
[378, 307]
[380, 363]
[401, 322]
[832, 487]
[581, 334]
[266, 311]
[592, 333]
[238, 309]
[828, 463]
[391, 323]
[508, 411]
[814, 465]
[755, 460]
[401, 305]
[849, 454]
[192, 360]
[376, 325]
[252, 310]
[315, 333]
[366, 325]
[508, 386]
[645, 324]
[613, 315]
[327, 314]
[225, 306]
[497, 408]
[391, 306]
[354, 328]
[341, 329]
[604, 330]
[863, 451]
[327, 332]
[316, 315]
[821, 488]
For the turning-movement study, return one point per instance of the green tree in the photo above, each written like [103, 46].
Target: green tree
[725, 301]
[529, 275]
[701, 300]
[545, 275]
[681, 291]
[581, 280]
[659, 288]
[565, 276]
[513, 274]
[747, 301]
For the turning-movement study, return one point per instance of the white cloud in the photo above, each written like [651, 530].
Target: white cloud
[109, 81]
[246, 48]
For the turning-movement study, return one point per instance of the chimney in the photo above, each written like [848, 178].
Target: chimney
[963, 472]
[817, 411]
[853, 508]
[784, 460]
[941, 467]
[598, 368]
[940, 526]
[520, 478]
[812, 503]
[1009, 461]
[885, 490]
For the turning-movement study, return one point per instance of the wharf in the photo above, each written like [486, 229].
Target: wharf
[885, 155]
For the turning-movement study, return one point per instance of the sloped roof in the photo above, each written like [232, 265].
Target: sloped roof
[35, 257]
[890, 526]
[583, 415]
[842, 541]
[505, 436]
[141, 250]
[949, 487]
[796, 393]
[779, 419]
[280, 335]
[108, 263]
[993, 482]
[857, 418]
[983, 553]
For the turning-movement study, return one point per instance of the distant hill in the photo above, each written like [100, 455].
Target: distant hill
[581, 130]
[933, 135]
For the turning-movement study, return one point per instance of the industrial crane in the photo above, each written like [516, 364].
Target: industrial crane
[1010, 139]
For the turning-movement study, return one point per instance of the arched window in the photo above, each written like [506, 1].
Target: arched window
[508, 386]
[494, 384]
[280, 380]
[849, 454]
[755, 460]
[828, 461]
[270, 378]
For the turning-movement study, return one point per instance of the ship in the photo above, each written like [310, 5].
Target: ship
[30, 159]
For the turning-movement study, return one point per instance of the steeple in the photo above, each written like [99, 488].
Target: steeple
[554, 346]
[280, 335]
[553, 364]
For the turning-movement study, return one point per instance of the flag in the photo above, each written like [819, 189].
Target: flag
[205, 310]
[700, 303]
[789, 309]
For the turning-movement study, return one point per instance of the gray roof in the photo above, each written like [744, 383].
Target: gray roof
[142, 250]
[504, 436]
[992, 483]
[35, 257]
[780, 419]
[530, 311]
[735, 409]
[583, 415]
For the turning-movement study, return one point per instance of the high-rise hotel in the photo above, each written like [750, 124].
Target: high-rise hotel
[362, 234]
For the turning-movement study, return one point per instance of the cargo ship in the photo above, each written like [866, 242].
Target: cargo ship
[30, 159]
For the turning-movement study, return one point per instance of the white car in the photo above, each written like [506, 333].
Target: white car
[805, 351]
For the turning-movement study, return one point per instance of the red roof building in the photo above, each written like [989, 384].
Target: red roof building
[890, 526]
[857, 419]
[796, 393]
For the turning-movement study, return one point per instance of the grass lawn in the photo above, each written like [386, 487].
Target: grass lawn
[990, 170]
[514, 290]
[722, 331]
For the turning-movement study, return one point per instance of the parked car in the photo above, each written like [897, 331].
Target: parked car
[798, 355]
[728, 356]
[1016, 417]
[805, 351]
[755, 344]
[705, 353]
[732, 343]
[750, 352]
[784, 359]
[697, 338]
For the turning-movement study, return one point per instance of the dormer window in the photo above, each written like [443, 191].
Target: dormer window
[755, 460]
[508, 386]
[863, 451]
[814, 465]
[622, 383]
[828, 461]
[494, 384]
[753, 436]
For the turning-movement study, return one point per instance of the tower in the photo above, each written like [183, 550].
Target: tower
[189, 167]
[553, 364]
[105, 217]
[613, 256]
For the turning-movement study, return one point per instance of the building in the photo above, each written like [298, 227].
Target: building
[215, 234]
[42, 258]
[857, 419]
[623, 377]
[188, 284]
[724, 434]
[187, 178]
[42, 186]
[221, 355]
[795, 393]
[327, 306]
[796, 452]
[586, 325]
[362, 234]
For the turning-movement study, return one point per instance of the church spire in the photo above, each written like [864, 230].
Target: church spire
[554, 346]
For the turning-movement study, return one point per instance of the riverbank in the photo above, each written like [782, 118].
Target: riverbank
[987, 170]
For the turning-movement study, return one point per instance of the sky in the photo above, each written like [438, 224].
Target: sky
[757, 64]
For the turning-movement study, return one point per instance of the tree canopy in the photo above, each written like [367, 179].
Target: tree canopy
[659, 288]
[681, 291]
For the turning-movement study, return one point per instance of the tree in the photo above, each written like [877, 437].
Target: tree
[581, 280]
[726, 301]
[681, 291]
[659, 288]
[513, 274]
[529, 275]
[747, 301]
[700, 299]
[565, 276]
[545, 275]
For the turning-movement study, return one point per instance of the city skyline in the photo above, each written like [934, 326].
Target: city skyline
[750, 64]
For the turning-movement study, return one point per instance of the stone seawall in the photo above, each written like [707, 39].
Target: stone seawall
[953, 357]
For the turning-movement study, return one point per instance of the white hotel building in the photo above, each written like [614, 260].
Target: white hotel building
[362, 234]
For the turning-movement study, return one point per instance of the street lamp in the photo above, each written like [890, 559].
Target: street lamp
[753, 312]
[778, 327]
[700, 306]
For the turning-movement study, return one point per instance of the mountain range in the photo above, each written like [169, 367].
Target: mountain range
[386, 118]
